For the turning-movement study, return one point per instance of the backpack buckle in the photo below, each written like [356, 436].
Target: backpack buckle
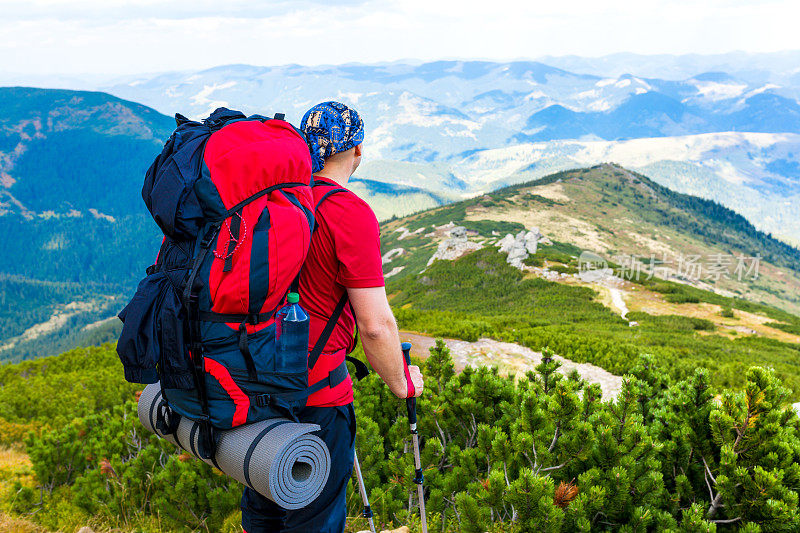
[206, 439]
[167, 420]
[263, 400]
[209, 236]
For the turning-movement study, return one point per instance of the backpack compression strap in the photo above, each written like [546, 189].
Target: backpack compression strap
[207, 438]
[315, 352]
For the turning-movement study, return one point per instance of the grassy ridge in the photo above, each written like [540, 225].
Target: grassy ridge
[613, 212]
[713, 223]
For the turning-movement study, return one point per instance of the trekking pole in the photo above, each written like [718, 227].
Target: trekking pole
[411, 405]
[363, 490]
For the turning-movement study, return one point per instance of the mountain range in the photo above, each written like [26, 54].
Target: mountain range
[442, 116]
[479, 105]
[74, 236]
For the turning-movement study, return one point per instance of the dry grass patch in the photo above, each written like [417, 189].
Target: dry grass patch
[11, 524]
[555, 225]
[742, 323]
[12, 459]
[15, 465]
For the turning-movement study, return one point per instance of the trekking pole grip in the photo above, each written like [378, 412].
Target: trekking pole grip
[411, 403]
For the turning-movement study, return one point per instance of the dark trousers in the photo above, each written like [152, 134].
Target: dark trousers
[328, 512]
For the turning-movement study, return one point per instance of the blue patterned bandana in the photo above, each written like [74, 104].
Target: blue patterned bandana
[330, 128]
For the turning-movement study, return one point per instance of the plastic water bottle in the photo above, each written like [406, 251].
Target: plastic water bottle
[292, 336]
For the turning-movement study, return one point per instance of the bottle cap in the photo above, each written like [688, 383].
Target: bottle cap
[293, 298]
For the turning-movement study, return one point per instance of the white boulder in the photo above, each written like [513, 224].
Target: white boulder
[520, 246]
[456, 245]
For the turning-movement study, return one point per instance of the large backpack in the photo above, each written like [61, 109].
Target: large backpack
[232, 195]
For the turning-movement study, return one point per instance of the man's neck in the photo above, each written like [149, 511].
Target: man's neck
[340, 176]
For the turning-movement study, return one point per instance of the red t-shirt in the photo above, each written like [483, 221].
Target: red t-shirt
[345, 252]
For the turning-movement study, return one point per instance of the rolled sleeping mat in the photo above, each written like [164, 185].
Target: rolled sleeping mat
[279, 459]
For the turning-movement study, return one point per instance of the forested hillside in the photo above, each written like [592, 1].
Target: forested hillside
[75, 236]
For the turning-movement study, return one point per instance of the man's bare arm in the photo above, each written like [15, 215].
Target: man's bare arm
[381, 340]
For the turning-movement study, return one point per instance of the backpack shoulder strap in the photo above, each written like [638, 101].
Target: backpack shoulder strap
[334, 189]
[313, 356]
[315, 352]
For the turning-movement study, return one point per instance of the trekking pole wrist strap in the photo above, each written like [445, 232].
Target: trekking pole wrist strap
[410, 390]
[405, 348]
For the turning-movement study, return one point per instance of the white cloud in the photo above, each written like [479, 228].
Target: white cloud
[116, 36]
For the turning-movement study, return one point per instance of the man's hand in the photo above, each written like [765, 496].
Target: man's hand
[416, 379]
[381, 341]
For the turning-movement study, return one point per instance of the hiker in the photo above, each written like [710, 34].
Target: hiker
[343, 267]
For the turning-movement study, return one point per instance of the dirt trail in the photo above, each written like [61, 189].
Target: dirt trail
[619, 301]
[510, 357]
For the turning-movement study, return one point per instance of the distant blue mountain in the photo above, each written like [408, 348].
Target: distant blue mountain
[653, 114]
[650, 114]
[766, 112]
[719, 77]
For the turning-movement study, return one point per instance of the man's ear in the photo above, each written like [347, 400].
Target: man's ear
[358, 150]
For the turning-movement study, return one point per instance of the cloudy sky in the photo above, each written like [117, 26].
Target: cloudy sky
[122, 37]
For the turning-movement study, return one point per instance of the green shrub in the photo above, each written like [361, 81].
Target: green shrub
[540, 452]
[681, 298]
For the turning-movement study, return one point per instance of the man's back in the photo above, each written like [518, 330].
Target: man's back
[344, 253]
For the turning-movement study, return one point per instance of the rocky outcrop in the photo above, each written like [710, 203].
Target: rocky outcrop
[520, 246]
[404, 233]
[394, 271]
[454, 246]
[391, 254]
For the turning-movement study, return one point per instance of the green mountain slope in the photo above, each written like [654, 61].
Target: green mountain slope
[618, 214]
[686, 323]
[73, 233]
